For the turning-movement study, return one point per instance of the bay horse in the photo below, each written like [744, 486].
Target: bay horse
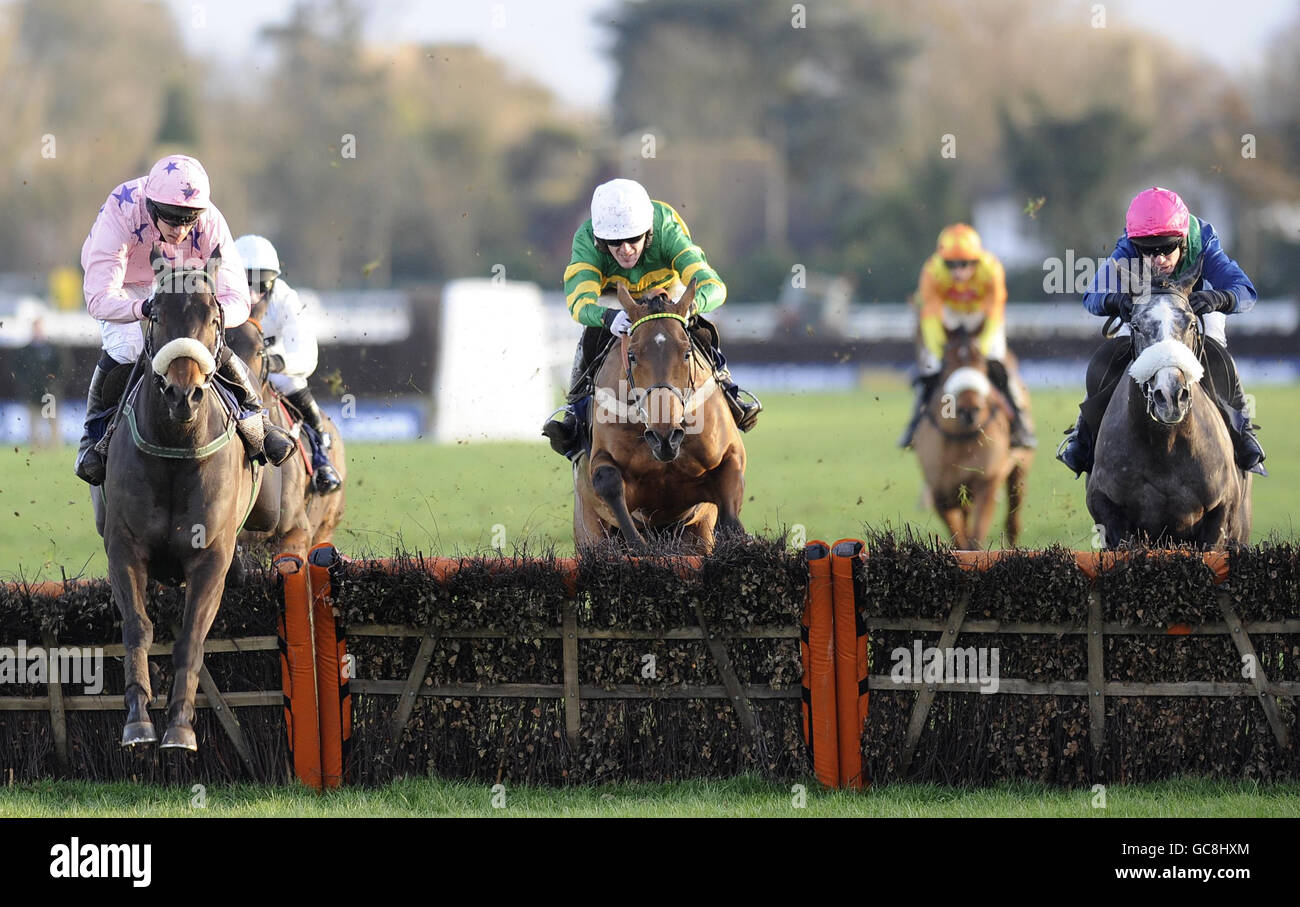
[179, 485]
[304, 518]
[1164, 469]
[963, 445]
[665, 449]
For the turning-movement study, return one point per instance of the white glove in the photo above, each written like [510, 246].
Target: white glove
[621, 324]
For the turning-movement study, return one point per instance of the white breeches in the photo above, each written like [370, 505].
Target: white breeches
[287, 384]
[931, 365]
[125, 342]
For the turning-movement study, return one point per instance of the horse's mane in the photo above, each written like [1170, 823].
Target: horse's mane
[657, 302]
[179, 277]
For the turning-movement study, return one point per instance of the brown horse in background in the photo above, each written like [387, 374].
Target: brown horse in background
[665, 449]
[179, 485]
[305, 518]
[964, 447]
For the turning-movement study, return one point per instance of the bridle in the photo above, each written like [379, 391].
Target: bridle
[639, 402]
[261, 343]
[1198, 345]
[995, 404]
[150, 349]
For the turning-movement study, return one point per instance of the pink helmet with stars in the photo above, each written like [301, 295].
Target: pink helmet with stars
[1157, 212]
[178, 181]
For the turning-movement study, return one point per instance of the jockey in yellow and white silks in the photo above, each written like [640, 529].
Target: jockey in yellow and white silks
[963, 285]
[291, 351]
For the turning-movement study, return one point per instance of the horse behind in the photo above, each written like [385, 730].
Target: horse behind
[964, 448]
[179, 485]
[665, 450]
[299, 518]
[1164, 469]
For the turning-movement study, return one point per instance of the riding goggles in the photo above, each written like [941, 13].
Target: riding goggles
[615, 243]
[954, 263]
[1158, 247]
[173, 215]
[260, 286]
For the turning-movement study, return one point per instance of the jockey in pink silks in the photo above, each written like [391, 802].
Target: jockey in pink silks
[171, 207]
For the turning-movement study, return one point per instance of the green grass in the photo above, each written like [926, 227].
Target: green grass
[737, 797]
[824, 461]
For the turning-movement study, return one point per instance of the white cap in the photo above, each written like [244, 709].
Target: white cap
[621, 209]
[257, 253]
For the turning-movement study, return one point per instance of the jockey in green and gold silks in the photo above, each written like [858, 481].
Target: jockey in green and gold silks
[644, 245]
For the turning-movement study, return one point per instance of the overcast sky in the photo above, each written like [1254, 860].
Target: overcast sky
[561, 44]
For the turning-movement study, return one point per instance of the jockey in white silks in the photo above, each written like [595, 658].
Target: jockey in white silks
[291, 350]
[170, 208]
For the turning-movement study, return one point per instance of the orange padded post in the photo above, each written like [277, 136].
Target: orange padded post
[817, 645]
[298, 670]
[333, 692]
[850, 661]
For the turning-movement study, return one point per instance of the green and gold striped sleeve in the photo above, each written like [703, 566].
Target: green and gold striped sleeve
[583, 279]
[687, 259]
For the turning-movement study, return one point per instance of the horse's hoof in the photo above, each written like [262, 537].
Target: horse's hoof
[138, 732]
[180, 738]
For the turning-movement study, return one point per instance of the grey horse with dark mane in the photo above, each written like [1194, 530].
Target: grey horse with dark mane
[1164, 469]
[178, 487]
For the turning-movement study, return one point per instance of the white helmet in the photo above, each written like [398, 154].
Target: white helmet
[257, 253]
[621, 209]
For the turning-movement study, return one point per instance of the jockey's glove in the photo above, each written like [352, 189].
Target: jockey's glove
[616, 321]
[275, 362]
[1120, 304]
[146, 308]
[1206, 301]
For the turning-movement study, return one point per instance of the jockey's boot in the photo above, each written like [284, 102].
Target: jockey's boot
[1225, 383]
[325, 478]
[106, 388]
[925, 385]
[745, 411]
[1077, 448]
[1022, 432]
[565, 433]
[262, 436]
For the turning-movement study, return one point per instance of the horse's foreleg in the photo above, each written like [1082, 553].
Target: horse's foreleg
[128, 581]
[1107, 514]
[204, 584]
[608, 484]
[730, 497]
[1017, 479]
[954, 517]
[588, 529]
[1212, 533]
[980, 517]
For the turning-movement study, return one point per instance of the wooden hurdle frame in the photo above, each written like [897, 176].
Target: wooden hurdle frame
[850, 630]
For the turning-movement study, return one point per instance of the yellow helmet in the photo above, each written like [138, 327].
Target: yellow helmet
[959, 242]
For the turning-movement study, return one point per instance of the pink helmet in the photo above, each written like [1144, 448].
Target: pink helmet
[178, 181]
[1156, 212]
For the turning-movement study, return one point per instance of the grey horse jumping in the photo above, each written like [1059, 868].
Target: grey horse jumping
[1164, 468]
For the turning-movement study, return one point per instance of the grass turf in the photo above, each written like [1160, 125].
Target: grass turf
[736, 797]
[825, 462]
